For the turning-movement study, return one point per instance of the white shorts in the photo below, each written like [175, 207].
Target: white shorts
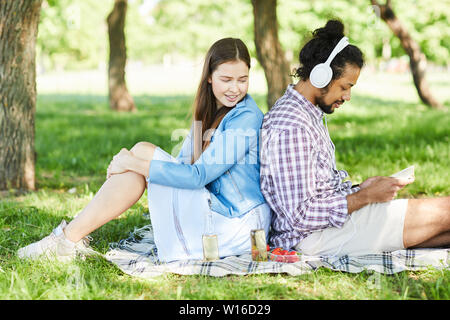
[374, 228]
[178, 217]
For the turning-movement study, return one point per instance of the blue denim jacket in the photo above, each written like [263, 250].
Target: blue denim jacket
[228, 168]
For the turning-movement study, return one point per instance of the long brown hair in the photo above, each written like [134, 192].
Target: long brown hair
[205, 107]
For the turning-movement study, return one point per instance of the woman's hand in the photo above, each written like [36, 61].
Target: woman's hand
[119, 163]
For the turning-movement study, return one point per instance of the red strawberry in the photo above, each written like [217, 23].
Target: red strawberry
[276, 251]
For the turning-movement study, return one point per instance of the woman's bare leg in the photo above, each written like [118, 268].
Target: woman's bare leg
[115, 196]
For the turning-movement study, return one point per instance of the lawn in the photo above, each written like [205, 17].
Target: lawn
[383, 129]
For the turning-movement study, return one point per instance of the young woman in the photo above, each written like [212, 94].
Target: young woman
[212, 186]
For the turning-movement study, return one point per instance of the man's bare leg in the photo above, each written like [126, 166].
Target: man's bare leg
[116, 195]
[427, 223]
[441, 240]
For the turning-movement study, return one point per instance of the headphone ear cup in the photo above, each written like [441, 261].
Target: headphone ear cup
[320, 75]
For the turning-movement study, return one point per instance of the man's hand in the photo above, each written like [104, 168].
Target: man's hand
[375, 189]
[382, 189]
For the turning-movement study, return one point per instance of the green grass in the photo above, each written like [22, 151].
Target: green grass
[77, 135]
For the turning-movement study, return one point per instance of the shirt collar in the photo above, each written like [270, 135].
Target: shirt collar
[312, 109]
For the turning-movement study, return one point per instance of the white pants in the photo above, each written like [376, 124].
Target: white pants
[178, 218]
[374, 228]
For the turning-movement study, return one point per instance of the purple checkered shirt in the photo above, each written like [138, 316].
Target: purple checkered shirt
[299, 178]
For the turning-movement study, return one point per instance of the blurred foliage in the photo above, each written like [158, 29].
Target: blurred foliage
[73, 34]
[177, 29]
[426, 20]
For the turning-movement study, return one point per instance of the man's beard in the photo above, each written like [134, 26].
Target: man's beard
[327, 108]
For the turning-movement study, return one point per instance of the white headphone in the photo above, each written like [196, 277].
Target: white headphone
[321, 74]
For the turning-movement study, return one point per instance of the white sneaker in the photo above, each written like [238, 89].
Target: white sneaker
[57, 246]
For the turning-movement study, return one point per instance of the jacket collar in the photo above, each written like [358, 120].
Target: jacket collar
[243, 102]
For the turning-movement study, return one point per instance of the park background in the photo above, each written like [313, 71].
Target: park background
[383, 129]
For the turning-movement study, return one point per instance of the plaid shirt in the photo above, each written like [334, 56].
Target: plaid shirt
[299, 179]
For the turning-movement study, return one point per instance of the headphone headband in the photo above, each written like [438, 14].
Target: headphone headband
[338, 48]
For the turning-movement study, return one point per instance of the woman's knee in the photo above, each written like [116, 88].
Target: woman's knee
[143, 150]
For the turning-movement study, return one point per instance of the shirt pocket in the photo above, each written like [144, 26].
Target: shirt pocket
[214, 187]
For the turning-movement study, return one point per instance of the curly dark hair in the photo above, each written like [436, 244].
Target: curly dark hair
[318, 49]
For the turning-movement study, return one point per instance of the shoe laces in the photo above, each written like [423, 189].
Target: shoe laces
[87, 240]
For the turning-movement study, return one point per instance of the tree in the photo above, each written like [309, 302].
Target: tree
[417, 59]
[18, 30]
[268, 49]
[119, 97]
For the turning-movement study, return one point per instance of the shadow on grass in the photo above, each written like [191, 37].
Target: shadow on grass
[24, 224]
[97, 278]
[77, 135]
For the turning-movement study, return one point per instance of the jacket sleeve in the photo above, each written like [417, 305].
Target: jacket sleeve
[233, 145]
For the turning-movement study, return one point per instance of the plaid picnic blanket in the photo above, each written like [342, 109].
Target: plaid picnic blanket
[137, 256]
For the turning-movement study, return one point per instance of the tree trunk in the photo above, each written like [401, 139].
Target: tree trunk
[268, 49]
[19, 22]
[119, 97]
[417, 59]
